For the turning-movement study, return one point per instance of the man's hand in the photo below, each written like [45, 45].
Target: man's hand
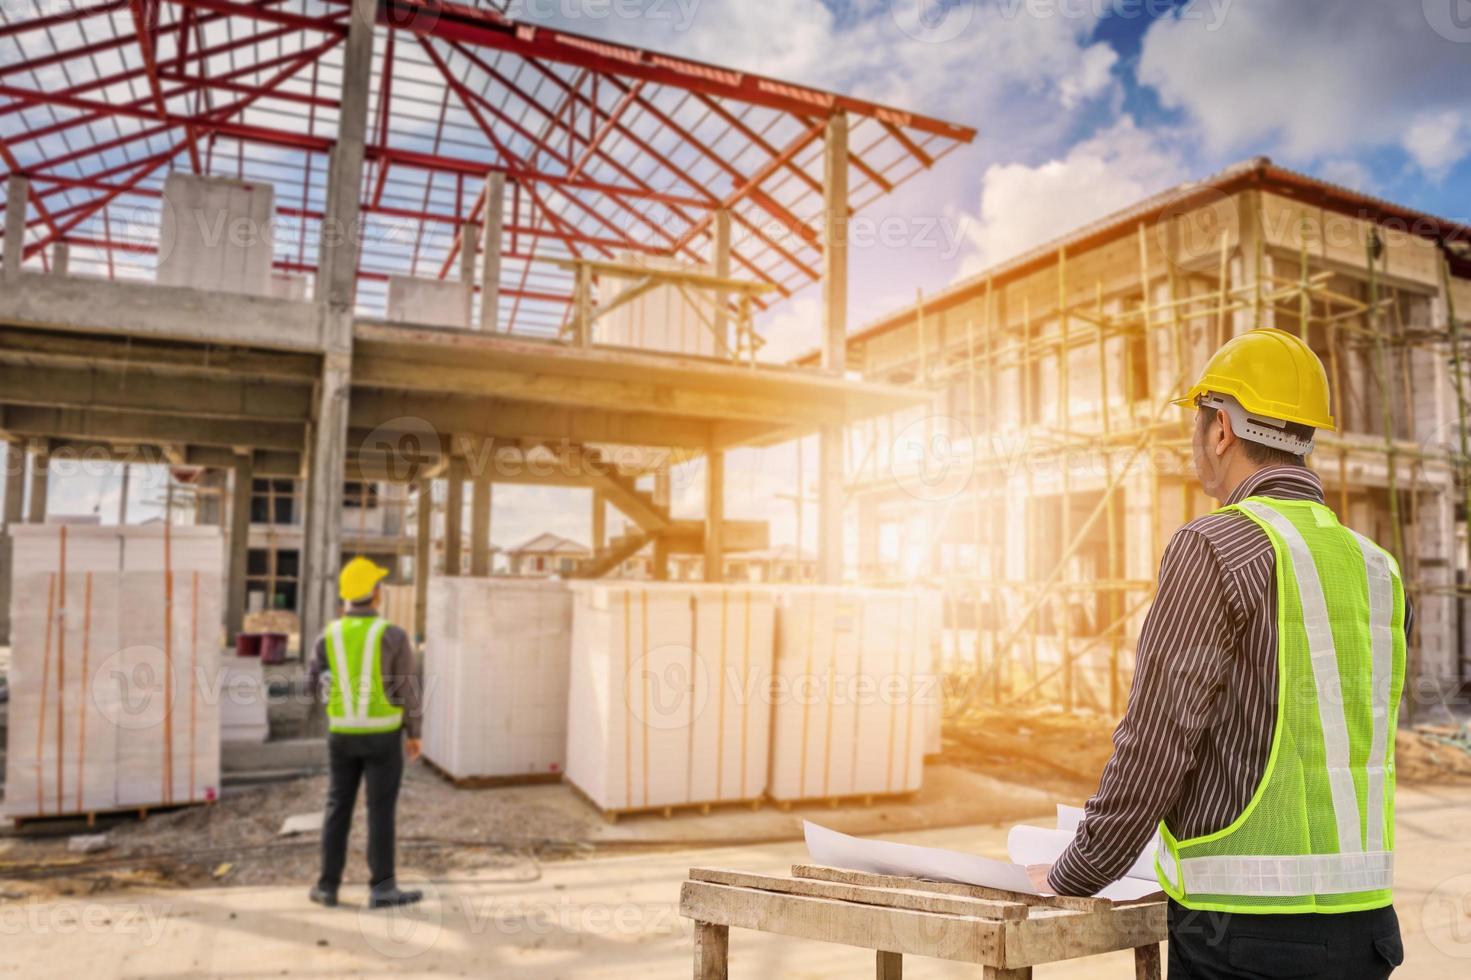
[1038, 874]
[413, 748]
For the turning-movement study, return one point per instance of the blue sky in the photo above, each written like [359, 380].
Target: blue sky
[1082, 107]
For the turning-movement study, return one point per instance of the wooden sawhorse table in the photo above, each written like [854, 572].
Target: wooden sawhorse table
[1007, 933]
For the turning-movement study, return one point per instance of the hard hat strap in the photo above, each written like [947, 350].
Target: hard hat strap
[1258, 428]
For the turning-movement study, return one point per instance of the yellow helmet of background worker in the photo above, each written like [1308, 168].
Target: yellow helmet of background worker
[358, 579]
[1272, 373]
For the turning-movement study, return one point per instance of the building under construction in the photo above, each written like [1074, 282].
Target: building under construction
[1044, 479]
[350, 243]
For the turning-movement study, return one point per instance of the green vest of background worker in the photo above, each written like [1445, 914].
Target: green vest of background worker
[373, 718]
[1259, 735]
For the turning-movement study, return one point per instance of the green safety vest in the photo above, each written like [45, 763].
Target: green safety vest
[1318, 832]
[357, 703]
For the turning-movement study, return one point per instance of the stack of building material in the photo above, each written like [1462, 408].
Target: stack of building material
[853, 692]
[216, 234]
[115, 660]
[495, 675]
[243, 702]
[668, 703]
[663, 318]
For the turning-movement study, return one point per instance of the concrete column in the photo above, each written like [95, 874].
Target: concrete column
[660, 570]
[490, 252]
[423, 552]
[1252, 267]
[60, 258]
[454, 516]
[40, 484]
[480, 503]
[335, 292]
[835, 246]
[663, 485]
[715, 516]
[834, 345]
[830, 505]
[122, 496]
[14, 513]
[243, 480]
[720, 265]
[17, 193]
[467, 270]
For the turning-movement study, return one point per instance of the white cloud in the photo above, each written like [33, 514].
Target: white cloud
[1023, 206]
[1312, 78]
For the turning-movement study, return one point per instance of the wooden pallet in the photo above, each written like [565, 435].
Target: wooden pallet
[850, 799]
[1007, 933]
[667, 811]
[43, 820]
[492, 782]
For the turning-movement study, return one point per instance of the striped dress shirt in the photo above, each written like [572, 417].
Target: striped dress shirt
[1193, 743]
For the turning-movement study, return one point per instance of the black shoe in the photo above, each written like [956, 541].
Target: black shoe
[323, 896]
[392, 895]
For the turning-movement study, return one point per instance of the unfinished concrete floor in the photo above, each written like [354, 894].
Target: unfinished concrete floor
[599, 918]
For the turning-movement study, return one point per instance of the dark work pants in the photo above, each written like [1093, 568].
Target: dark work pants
[378, 757]
[1232, 946]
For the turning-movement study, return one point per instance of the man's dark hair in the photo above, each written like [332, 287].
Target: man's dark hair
[1256, 452]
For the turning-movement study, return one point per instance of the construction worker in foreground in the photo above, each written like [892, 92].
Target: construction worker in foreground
[373, 718]
[1259, 735]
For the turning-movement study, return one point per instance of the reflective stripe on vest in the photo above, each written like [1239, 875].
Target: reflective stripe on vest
[1307, 841]
[353, 709]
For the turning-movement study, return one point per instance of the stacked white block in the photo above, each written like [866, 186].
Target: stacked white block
[217, 234]
[433, 302]
[114, 668]
[495, 673]
[244, 711]
[852, 693]
[668, 701]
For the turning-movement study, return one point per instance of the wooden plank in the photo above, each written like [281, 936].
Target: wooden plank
[888, 966]
[1067, 902]
[898, 898]
[1049, 935]
[952, 937]
[999, 973]
[1146, 962]
[712, 951]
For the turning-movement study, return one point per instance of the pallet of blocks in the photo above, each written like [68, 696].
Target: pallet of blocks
[668, 705]
[854, 692]
[495, 678]
[114, 697]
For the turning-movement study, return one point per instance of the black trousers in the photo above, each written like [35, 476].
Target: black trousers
[1222, 945]
[378, 759]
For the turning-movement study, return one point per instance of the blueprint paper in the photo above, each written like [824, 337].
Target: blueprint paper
[835, 850]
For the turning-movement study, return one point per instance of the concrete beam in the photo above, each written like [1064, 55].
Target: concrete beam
[243, 479]
[490, 252]
[143, 427]
[523, 420]
[25, 345]
[146, 310]
[17, 198]
[137, 391]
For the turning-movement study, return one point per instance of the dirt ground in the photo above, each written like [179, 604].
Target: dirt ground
[995, 768]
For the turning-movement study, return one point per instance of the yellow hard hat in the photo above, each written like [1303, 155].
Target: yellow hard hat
[358, 579]
[1273, 374]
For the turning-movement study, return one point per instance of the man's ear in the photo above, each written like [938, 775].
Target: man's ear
[1228, 437]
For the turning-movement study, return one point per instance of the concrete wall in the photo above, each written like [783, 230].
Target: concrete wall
[434, 302]
[216, 234]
